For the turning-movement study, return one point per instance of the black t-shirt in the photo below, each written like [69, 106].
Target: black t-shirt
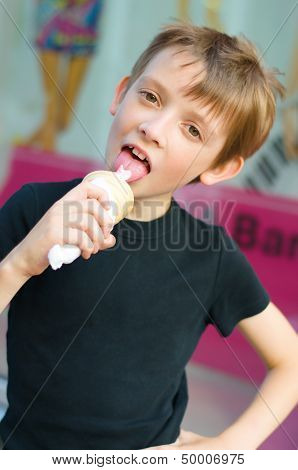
[97, 349]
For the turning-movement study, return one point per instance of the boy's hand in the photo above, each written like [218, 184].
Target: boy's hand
[79, 218]
[191, 441]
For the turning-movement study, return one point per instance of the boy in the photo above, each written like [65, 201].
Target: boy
[105, 343]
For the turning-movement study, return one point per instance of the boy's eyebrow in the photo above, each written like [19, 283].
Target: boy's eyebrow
[147, 78]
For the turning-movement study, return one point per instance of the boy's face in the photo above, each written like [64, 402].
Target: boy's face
[156, 117]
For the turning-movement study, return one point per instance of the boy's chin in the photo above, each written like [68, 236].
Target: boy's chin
[144, 188]
[139, 187]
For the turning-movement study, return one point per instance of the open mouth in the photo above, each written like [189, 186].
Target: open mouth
[134, 161]
[137, 155]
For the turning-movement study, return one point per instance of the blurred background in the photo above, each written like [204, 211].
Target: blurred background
[33, 149]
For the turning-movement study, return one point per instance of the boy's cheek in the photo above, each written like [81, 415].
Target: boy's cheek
[181, 174]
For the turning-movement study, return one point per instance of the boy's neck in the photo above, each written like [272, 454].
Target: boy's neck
[147, 209]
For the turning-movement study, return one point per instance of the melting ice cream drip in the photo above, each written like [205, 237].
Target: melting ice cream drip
[122, 173]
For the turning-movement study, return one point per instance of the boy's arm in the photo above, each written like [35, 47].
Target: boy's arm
[78, 218]
[276, 342]
[12, 278]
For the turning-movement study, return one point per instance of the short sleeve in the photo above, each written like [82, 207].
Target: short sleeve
[238, 292]
[17, 218]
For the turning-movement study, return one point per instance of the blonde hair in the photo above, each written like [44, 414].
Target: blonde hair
[237, 87]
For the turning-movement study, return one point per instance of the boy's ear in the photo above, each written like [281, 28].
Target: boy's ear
[119, 94]
[223, 172]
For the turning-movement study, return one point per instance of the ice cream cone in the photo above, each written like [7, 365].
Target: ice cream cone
[120, 194]
[121, 199]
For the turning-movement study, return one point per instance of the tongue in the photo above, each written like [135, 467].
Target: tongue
[137, 168]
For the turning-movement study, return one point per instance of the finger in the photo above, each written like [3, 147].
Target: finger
[96, 192]
[88, 190]
[88, 224]
[109, 242]
[80, 239]
[189, 435]
[73, 211]
[104, 219]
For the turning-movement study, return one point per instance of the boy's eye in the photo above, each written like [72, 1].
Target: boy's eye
[149, 95]
[194, 131]
[153, 99]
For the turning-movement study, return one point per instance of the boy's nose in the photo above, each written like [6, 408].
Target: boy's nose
[153, 132]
